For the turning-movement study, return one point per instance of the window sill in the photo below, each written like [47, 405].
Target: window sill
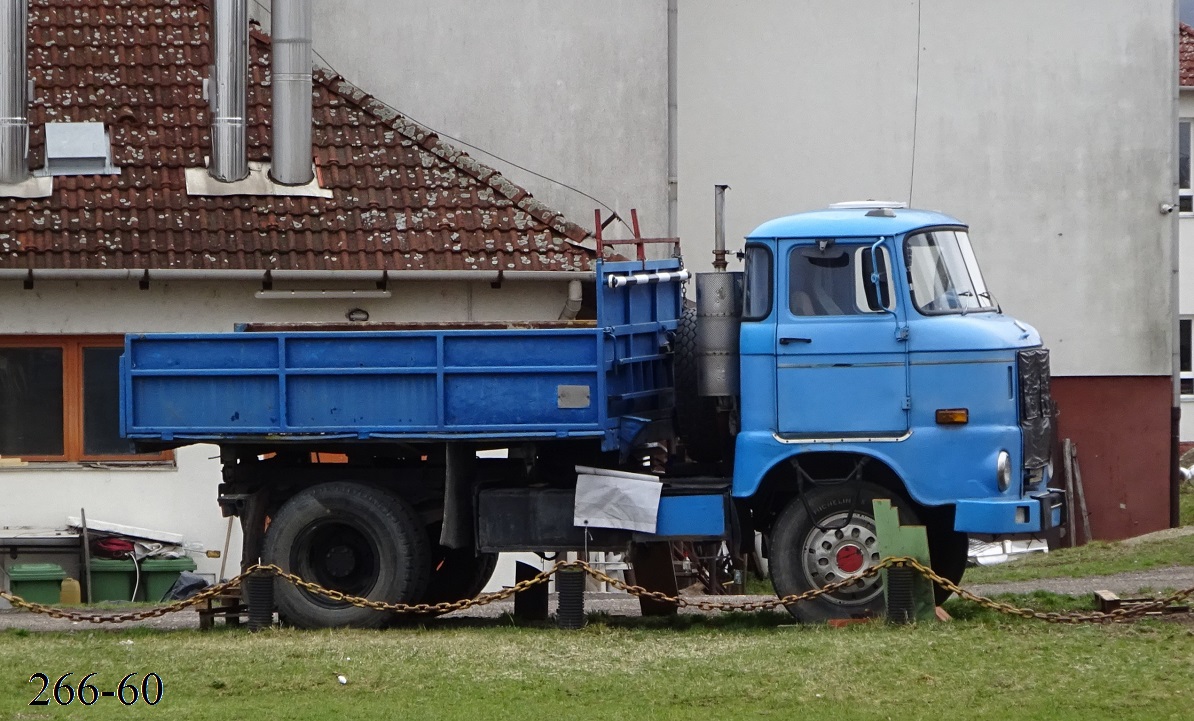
[91, 466]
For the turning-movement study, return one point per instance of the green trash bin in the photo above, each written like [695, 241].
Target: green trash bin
[159, 574]
[37, 582]
[113, 580]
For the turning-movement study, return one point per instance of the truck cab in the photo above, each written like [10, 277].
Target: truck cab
[876, 363]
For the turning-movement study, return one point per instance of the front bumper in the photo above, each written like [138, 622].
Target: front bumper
[1035, 513]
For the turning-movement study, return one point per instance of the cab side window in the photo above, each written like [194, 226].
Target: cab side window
[830, 279]
[756, 304]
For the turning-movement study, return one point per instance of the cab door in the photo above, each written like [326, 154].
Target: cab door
[840, 347]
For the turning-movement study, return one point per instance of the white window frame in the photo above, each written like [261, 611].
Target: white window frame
[1186, 329]
[1185, 195]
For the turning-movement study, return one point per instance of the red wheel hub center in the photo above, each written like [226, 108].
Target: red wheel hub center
[849, 559]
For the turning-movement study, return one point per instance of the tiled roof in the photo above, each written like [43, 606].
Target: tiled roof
[403, 199]
[1185, 56]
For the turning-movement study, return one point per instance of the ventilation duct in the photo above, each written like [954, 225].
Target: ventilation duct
[227, 90]
[14, 92]
[291, 153]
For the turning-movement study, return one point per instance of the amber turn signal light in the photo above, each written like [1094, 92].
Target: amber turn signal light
[953, 416]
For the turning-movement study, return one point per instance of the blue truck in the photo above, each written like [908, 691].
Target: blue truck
[858, 355]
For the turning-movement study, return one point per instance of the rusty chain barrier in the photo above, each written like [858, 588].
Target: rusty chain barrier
[212, 592]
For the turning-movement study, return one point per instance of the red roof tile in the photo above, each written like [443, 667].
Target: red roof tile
[1185, 56]
[403, 199]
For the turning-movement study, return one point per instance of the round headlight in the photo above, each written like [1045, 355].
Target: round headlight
[1003, 471]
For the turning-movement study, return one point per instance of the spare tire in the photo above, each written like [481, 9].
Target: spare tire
[696, 419]
[352, 538]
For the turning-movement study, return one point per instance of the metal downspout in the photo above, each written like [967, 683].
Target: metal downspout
[1175, 414]
[673, 128]
[228, 90]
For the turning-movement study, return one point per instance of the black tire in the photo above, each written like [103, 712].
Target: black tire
[458, 573]
[351, 538]
[696, 415]
[804, 557]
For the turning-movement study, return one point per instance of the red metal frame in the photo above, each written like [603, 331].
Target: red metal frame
[639, 242]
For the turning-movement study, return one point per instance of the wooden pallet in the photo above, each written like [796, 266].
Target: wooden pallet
[1108, 601]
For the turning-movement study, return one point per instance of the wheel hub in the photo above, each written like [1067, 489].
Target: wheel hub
[340, 561]
[845, 545]
[849, 558]
[336, 554]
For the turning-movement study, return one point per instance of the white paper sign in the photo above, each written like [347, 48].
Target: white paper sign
[616, 499]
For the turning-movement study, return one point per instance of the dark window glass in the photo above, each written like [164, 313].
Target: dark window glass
[821, 281]
[756, 304]
[1184, 341]
[836, 280]
[31, 402]
[101, 403]
[1183, 164]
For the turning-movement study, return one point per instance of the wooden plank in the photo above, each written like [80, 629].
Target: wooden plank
[1071, 530]
[1085, 515]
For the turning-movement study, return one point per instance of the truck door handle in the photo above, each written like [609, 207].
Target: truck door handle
[786, 340]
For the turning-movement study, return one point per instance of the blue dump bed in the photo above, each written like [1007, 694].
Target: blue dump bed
[611, 381]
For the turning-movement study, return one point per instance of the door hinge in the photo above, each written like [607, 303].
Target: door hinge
[902, 333]
[907, 405]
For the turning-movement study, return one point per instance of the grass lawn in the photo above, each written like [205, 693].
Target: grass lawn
[1097, 558]
[979, 667]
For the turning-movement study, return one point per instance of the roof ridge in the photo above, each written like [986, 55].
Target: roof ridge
[432, 143]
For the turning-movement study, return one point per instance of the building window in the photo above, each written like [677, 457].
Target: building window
[1187, 368]
[60, 400]
[1185, 195]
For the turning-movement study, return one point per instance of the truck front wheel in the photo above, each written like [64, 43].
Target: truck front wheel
[829, 536]
[351, 538]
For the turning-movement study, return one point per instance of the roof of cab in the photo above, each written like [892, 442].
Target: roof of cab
[849, 222]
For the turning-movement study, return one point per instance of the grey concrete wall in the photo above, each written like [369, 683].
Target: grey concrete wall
[574, 90]
[1047, 126]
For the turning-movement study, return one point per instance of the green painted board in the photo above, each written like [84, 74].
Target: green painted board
[897, 540]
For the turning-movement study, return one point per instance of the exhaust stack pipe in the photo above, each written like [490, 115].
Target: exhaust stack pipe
[14, 92]
[719, 227]
[719, 315]
[228, 88]
[291, 152]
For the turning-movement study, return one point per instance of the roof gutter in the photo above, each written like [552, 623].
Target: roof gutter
[262, 276]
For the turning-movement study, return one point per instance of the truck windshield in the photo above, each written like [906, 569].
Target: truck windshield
[943, 273]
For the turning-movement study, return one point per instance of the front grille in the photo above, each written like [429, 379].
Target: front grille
[1036, 407]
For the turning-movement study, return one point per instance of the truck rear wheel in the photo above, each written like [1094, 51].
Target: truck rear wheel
[825, 538]
[351, 538]
[697, 423]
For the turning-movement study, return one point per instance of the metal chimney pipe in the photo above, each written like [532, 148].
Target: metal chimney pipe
[291, 152]
[719, 227]
[228, 88]
[14, 91]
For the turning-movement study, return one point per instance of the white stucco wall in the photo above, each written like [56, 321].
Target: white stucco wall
[182, 498]
[574, 90]
[1046, 126]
